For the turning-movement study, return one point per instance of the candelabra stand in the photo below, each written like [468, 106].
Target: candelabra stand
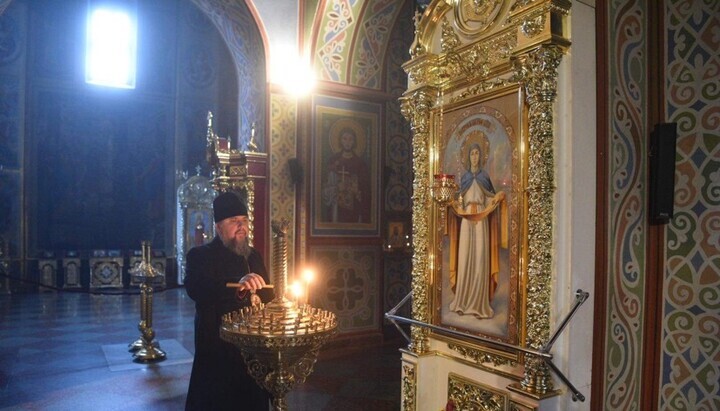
[443, 192]
[279, 341]
[145, 348]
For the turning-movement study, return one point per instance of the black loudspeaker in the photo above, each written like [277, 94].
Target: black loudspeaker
[662, 172]
[295, 170]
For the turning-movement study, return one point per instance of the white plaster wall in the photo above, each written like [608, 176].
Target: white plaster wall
[280, 19]
[575, 208]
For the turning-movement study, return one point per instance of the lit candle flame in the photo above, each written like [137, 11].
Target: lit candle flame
[296, 289]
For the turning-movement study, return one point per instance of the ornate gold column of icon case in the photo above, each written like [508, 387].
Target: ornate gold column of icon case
[482, 82]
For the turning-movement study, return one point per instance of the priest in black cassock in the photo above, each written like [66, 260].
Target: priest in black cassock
[219, 378]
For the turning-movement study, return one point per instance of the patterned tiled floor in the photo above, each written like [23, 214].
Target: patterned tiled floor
[59, 351]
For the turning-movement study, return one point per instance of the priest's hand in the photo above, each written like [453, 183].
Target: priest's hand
[252, 282]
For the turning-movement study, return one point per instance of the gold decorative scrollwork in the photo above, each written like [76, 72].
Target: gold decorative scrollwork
[482, 87]
[537, 72]
[423, 73]
[540, 22]
[449, 40]
[537, 378]
[468, 395]
[533, 26]
[408, 387]
[481, 357]
[475, 16]
[416, 109]
[520, 4]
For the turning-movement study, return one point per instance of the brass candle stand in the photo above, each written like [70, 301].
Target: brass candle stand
[279, 341]
[145, 349]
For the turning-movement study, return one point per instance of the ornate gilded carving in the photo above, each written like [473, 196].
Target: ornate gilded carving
[408, 387]
[537, 378]
[416, 48]
[537, 72]
[482, 87]
[503, 57]
[531, 27]
[420, 73]
[520, 4]
[476, 16]
[541, 23]
[472, 63]
[481, 357]
[449, 40]
[416, 109]
[468, 395]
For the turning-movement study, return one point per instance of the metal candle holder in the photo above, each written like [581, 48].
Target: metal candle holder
[443, 192]
[279, 341]
[145, 348]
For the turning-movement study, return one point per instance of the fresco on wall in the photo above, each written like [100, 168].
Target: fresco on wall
[398, 159]
[350, 45]
[347, 276]
[10, 235]
[9, 121]
[688, 367]
[242, 38]
[627, 199]
[10, 78]
[344, 167]
[283, 120]
[368, 57]
[101, 183]
[12, 57]
[691, 315]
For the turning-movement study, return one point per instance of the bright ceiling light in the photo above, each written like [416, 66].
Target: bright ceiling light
[293, 73]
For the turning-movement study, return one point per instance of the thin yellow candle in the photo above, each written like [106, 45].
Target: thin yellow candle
[308, 277]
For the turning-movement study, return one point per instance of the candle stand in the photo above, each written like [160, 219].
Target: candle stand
[443, 192]
[279, 341]
[145, 348]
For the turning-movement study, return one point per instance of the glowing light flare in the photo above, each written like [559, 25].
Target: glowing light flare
[308, 275]
[292, 72]
[297, 290]
[111, 54]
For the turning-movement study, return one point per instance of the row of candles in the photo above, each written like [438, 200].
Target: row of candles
[300, 288]
[255, 320]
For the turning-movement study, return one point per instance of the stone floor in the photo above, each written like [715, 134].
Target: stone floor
[67, 351]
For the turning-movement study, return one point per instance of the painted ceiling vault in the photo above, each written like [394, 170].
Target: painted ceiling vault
[350, 40]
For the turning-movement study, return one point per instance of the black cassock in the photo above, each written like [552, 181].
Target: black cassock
[219, 379]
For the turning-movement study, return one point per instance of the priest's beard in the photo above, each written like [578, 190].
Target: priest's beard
[239, 247]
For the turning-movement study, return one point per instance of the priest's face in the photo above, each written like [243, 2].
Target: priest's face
[233, 229]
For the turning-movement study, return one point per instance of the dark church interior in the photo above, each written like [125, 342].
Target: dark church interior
[344, 127]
